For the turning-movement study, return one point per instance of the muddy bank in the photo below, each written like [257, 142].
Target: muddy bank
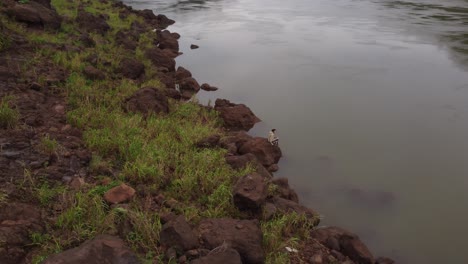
[49, 160]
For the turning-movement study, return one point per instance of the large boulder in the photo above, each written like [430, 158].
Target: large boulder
[182, 73]
[177, 233]
[162, 58]
[250, 192]
[345, 242]
[103, 249]
[167, 41]
[245, 236]
[17, 222]
[240, 162]
[189, 84]
[234, 140]
[119, 194]
[235, 116]
[131, 68]
[266, 153]
[35, 14]
[288, 206]
[92, 23]
[147, 100]
[284, 191]
[224, 256]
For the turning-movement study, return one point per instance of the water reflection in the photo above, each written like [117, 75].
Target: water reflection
[447, 20]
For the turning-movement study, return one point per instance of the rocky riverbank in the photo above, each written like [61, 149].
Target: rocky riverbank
[103, 160]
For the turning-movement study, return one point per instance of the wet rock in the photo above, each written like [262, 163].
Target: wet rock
[207, 87]
[284, 191]
[177, 233]
[235, 116]
[209, 142]
[35, 14]
[162, 58]
[345, 242]
[119, 194]
[131, 68]
[164, 21]
[193, 46]
[103, 249]
[147, 100]
[287, 206]
[182, 73]
[225, 256]
[93, 73]
[244, 236]
[250, 192]
[92, 23]
[266, 153]
[384, 260]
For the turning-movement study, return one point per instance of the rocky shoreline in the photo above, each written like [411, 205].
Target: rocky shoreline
[47, 147]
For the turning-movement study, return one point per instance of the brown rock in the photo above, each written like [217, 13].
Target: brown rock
[177, 233]
[284, 191]
[162, 58]
[235, 116]
[167, 41]
[193, 46]
[240, 162]
[287, 206]
[244, 236]
[224, 256]
[35, 14]
[147, 100]
[189, 84]
[103, 249]
[266, 153]
[209, 142]
[182, 73]
[207, 87]
[250, 192]
[131, 68]
[92, 23]
[119, 194]
[76, 183]
[346, 242]
[273, 168]
[93, 73]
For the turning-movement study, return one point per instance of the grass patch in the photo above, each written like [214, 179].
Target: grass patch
[9, 116]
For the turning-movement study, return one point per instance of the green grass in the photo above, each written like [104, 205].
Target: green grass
[49, 145]
[9, 116]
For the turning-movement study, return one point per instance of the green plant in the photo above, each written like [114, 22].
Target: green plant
[9, 116]
[49, 145]
[23, 1]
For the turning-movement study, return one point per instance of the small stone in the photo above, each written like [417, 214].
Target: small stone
[66, 127]
[193, 46]
[35, 86]
[76, 183]
[192, 253]
[53, 129]
[11, 154]
[316, 259]
[60, 109]
[119, 194]
[183, 259]
[171, 254]
[239, 226]
[66, 179]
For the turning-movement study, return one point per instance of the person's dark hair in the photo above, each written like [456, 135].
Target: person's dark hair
[273, 130]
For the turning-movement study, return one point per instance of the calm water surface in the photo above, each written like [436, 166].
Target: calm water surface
[370, 100]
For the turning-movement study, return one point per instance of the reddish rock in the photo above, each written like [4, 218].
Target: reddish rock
[266, 153]
[35, 14]
[147, 100]
[103, 249]
[92, 23]
[284, 191]
[162, 58]
[207, 87]
[235, 116]
[345, 242]
[178, 234]
[244, 236]
[163, 21]
[182, 73]
[273, 168]
[167, 41]
[234, 140]
[76, 183]
[250, 192]
[224, 256]
[119, 194]
[189, 84]
[287, 206]
[131, 68]
[93, 73]
[240, 162]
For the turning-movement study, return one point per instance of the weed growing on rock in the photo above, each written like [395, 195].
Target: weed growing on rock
[9, 116]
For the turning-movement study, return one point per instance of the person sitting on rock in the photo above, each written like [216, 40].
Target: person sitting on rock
[272, 138]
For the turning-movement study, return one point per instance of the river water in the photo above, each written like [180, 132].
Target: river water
[369, 99]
